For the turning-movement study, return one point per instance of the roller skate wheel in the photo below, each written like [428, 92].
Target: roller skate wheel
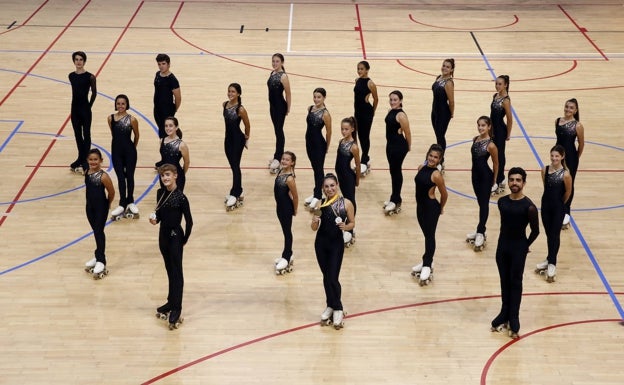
[550, 279]
[89, 270]
[326, 322]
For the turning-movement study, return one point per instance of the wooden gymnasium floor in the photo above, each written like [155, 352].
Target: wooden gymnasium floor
[244, 325]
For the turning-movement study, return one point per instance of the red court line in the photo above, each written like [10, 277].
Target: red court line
[465, 29]
[27, 20]
[53, 142]
[359, 28]
[574, 65]
[584, 32]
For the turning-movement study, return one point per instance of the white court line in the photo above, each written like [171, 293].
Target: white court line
[292, 6]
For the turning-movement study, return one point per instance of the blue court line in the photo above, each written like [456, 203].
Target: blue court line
[67, 245]
[591, 256]
[13, 132]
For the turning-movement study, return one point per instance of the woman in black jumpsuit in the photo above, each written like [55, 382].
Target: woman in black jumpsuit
[443, 105]
[349, 178]
[317, 146]
[500, 111]
[336, 215]
[100, 193]
[173, 149]
[124, 150]
[286, 200]
[557, 190]
[171, 206]
[483, 177]
[364, 112]
[279, 106]
[235, 140]
[428, 209]
[568, 130]
[398, 144]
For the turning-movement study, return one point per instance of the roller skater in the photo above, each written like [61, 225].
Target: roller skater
[364, 112]
[517, 212]
[390, 208]
[326, 316]
[443, 104]
[502, 122]
[163, 312]
[398, 144]
[117, 213]
[329, 245]
[278, 86]
[283, 266]
[286, 202]
[167, 95]
[171, 207]
[317, 146]
[428, 208]
[173, 150]
[100, 193]
[99, 270]
[132, 211]
[81, 82]
[348, 150]
[557, 191]
[175, 319]
[235, 142]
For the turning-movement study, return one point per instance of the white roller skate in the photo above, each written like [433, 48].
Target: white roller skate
[99, 271]
[440, 168]
[566, 222]
[502, 328]
[132, 211]
[117, 213]
[391, 208]
[541, 267]
[233, 203]
[282, 266]
[338, 320]
[308, 200]
[479, 242]
[470, 238]
[89, 265]
[348, 238]
[163, 312]
[417, 272]
[426, 276]
[551, 273]
[314, 203]
[498, 189]
[364, 169]
[274, 166]
[326, 316]
[175, 319]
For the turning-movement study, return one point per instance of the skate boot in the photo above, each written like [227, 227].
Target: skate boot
[308, 200]
[274, 166]
[117, 213]
[132, 211]
[314, 203]
[282, 266]
[233, 203]
[326, 316]
[470, 238]
[551, 273]
[392, 208]
[426, 276]
[163, 312]
[479, 242]
[498, 189]
[513, 335]
[500, 328]
[175, 319]
[541, 267]
[99, 271]
[348, 238]
[440, 168]
[566, 222]
[338, 319]
[416, 270]
[89, 265]
[364, 169]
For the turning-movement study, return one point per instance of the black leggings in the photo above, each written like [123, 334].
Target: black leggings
[285, 219]
[81, 123]
[552, 217]
[481, 184]
[510, 259]
[124, 163]
[572, 164]
[440, 122]
[329, 253]
[428, 214]
[160, 114]
[97, 215]
[171, 244]
[396, 155]
[500, 140]
[364, 121]
[316, 153]
[234, 145]
[278, 117]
